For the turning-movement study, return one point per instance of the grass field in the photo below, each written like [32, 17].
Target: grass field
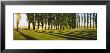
[89, 34]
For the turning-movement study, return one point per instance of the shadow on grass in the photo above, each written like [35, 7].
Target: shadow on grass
[85, 36]
[63, 36]
[27, 37]
[73, 36]
[67, 37]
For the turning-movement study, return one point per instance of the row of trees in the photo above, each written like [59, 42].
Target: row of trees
[60, 21]
[87, 20]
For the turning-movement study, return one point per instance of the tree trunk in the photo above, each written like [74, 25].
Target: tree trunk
[17, 27]
[29, 25]
[48, 25]
[38, 24]
[79, 20]
[45, 26]
[84, 19]
[42, 24]
[87, 20]
[90, 20]
[51, 26]
[33, 26]
[77, 24]
[63, 28]
[58, 26]
[93, 20]
[96, 20]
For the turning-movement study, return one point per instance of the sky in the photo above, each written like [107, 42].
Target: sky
[23, 20]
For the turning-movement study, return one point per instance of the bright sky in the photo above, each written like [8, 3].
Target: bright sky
[23, 20]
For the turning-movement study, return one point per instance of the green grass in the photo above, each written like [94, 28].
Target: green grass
[76, 34]
[18, 36]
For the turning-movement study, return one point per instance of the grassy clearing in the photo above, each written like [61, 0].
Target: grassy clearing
[89, 34]
[40, 36]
